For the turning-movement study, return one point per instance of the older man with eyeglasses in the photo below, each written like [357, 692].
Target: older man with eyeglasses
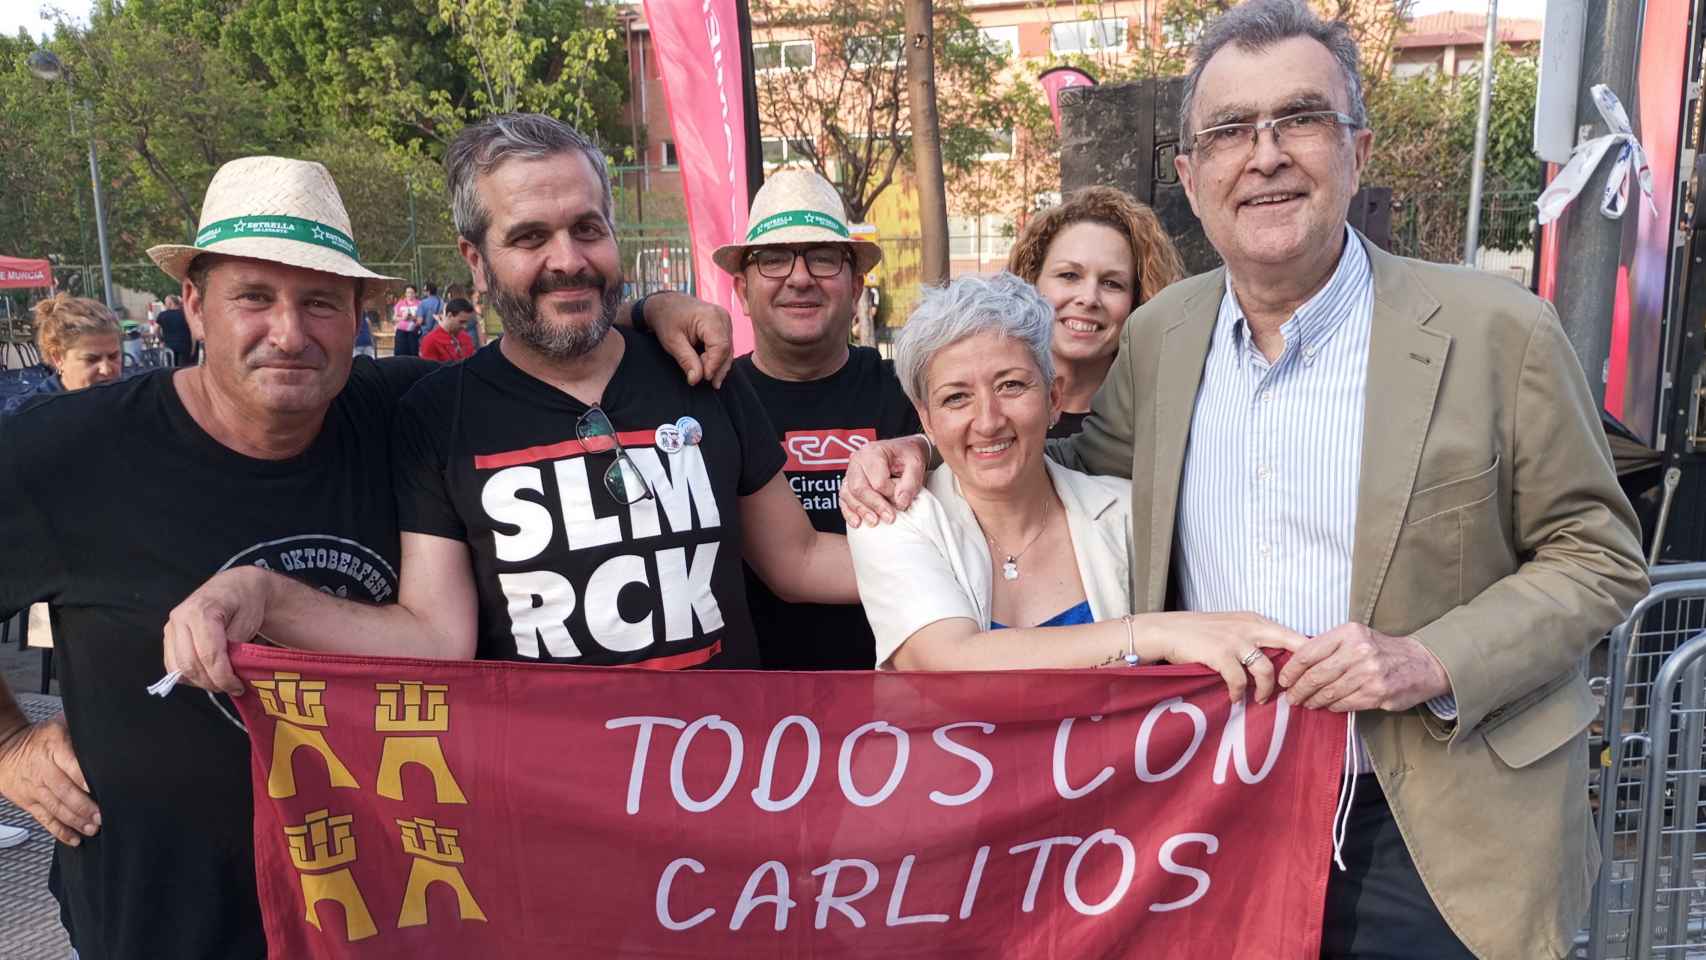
[1399, 459]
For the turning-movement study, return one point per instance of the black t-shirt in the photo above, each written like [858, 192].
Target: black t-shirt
[821, 423]
[1069, 424]
[117, 506]
[566, 572]
[175, 333]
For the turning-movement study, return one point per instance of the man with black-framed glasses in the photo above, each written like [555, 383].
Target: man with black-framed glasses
[563, 495]
[799, 272]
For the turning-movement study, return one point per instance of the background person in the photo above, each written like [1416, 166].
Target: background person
[79, 339]
[449, 341]
[406, 337]
[1007, 561]
[1095, 257]
[427, 315]
[175, 331]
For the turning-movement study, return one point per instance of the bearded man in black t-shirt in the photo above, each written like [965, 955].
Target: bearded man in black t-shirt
[274, 455]
[562, 496]
[799, 273]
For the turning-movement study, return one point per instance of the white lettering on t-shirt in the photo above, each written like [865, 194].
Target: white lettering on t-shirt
[539, 602]
[584, 527]
[603, 618]
[686, 591]
[499, 499]
[689, 491]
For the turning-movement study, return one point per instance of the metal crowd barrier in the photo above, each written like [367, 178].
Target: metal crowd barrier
[1627, 683]
[1669, 917]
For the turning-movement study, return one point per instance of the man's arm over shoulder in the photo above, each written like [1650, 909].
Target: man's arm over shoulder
[1581, 565]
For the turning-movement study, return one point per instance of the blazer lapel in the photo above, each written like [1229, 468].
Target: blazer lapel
[1182, 353]
[1405, 363]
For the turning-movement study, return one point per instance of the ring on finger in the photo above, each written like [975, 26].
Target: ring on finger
[1251, 657]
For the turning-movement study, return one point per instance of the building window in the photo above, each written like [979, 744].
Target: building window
[670, 160]
[998, 145]
[784, 55]
[779, 152]
[1087, 36]
[985, 239]
[884, 51]
[1003, 41]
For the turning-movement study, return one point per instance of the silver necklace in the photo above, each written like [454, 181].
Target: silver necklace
[1010, 566]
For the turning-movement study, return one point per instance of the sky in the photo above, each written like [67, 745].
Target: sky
[28, 13]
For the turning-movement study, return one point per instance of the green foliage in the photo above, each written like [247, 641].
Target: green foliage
[849, 115]
[372, 88]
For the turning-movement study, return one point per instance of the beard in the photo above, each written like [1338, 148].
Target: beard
[553, 337]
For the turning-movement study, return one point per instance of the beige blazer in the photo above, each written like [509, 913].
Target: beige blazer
[932, 563]
[1489, 525]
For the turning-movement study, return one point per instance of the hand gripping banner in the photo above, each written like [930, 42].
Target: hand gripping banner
[408, 808]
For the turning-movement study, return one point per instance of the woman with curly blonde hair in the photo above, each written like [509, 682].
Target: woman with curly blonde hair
[1095, 258]
[79, 339]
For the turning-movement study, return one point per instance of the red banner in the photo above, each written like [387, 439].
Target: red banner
[408, 808]
[16, 272]
[697, 43]
[1056, 79]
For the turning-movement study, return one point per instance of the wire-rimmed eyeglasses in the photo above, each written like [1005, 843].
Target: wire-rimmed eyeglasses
[623, 479]
[1306, 129]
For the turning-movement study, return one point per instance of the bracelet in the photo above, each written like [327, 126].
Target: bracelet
[637, 314]
[1129, 658]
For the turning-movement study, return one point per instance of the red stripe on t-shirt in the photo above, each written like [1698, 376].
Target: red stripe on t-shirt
[680, 661]
[554, 451]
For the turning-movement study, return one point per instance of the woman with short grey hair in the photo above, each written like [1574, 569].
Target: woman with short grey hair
[1006, 560]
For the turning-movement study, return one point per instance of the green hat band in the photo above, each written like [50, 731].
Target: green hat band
[278, 228]
[797, 218]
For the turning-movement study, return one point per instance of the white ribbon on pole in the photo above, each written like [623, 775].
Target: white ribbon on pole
[1584, 160]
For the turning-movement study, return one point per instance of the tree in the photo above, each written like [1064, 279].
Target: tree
[844, 111]
[411, 73]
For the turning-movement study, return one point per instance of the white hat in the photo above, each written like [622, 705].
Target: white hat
[798, 206]
[271, 208]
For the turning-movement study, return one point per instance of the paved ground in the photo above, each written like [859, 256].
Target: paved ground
[29, 917]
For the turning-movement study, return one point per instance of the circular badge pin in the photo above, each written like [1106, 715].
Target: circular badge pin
[690, 430]
[668, 438]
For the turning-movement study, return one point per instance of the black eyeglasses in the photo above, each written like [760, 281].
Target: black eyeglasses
[624, 480]
[1307, 129]
[777, 262]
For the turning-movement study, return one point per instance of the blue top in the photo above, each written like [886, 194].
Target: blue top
[430, 308]
[50, 384]
[1071, 616]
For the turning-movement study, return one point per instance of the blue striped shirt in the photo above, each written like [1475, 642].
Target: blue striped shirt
[1268, 498]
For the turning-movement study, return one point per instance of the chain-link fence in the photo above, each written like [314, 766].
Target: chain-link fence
[1431, 226]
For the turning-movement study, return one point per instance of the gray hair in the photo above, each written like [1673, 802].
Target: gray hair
[970, 305]
[1260, 24]
[483, 147]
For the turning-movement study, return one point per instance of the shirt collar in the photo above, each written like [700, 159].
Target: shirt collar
[1321, 315]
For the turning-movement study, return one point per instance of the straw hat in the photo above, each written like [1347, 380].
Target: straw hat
[798, 206]
[271, 208]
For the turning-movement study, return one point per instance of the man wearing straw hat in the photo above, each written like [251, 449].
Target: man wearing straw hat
[799, 273]
[274, 454]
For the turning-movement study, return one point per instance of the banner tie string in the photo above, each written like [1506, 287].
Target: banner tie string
[1347, 791]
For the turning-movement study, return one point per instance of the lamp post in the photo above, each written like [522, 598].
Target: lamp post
[48, 67]
[1478, 170]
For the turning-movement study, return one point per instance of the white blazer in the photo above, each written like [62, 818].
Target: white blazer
[932, 563]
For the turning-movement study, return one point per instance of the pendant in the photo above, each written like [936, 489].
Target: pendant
[1010, 569]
